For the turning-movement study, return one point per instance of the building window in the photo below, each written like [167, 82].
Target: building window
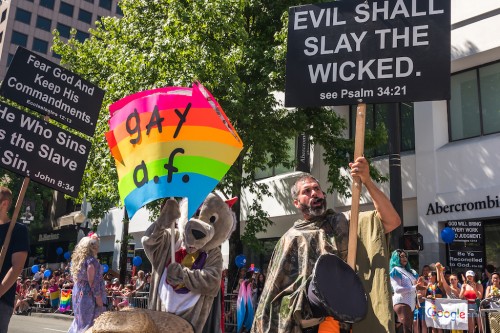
[23, 16]
[89, 1]
[66, 9]
[47, 4]
[475, 101]
[19, 38]
[64, 30]
[106, 4]
[119, 9]
[1, 36]
[279, 169]
[85, 16]
[56, 55]
[43, 23]
[40, 45]
[377, 115]
[81, 36]
[4, 16]
[10, 56]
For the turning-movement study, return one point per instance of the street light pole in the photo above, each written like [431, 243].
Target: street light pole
[123, 249]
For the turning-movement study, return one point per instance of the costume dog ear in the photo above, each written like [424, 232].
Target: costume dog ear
[183, 219]
[231, 202]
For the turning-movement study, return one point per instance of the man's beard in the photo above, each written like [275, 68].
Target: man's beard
[316, 210]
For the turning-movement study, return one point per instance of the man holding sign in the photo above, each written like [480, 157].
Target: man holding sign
[15, 257]
[285, 305]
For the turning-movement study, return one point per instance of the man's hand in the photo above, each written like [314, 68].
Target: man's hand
[360, 168]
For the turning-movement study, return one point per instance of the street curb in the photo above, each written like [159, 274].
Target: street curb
[59, 316]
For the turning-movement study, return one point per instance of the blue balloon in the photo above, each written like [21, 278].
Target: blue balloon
[59, 251]
[448, 235]
[240, 260]
[67, 255]
[47, 273]
[105, 268]
[256, 270]
[34, 268]
[137, 261]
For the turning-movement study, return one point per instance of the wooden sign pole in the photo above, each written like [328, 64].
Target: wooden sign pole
[19, 203]
[359, 144]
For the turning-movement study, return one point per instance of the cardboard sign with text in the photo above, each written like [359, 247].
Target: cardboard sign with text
[376, 51]
[41, 151]
[47, 88]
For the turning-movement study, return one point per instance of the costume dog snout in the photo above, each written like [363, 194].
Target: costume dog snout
[198, 234]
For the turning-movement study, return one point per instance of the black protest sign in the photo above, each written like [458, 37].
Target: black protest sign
[41, 151]
[49, 89]
[467, 249]
[352, 51]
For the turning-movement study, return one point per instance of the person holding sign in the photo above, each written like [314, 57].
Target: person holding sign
[14, 258]
[285, 304]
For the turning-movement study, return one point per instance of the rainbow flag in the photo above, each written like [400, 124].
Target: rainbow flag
[170, 142]
[65, 302]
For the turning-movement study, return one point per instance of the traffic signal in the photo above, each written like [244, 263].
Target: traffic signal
[413, 242]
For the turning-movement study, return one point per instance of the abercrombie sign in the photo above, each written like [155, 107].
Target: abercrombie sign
[489, 203]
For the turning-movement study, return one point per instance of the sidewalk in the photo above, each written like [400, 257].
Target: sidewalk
[60, 316]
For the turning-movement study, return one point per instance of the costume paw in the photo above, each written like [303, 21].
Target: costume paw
[175, 274]
[169, 213]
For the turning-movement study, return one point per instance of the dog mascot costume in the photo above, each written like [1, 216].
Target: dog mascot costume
[189, 286]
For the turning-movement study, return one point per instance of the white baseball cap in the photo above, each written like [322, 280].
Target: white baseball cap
[470, 273]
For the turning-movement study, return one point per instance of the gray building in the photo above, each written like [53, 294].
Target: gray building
[29, 23]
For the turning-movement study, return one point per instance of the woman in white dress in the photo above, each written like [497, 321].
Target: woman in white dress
[404, 282]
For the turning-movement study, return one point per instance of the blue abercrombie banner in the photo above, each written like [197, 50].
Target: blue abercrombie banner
[375, 51]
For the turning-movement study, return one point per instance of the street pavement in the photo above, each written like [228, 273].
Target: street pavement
[40, 323]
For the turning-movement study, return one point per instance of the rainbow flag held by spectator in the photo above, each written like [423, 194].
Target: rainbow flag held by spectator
[65, 303]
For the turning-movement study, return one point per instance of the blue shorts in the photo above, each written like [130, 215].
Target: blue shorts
[472, 307]
[419, 313]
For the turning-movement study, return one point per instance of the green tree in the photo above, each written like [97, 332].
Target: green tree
[38, 198]
[236, 48]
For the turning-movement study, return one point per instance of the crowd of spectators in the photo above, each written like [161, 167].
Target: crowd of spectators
[470, 285]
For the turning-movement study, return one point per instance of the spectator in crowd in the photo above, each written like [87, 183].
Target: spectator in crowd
[38, 277]
[87, 292]
[19, 289]
[147, 283]
[139, 282]
[472, 291]
[23, 305]
[493, 290]
[451, 287]
[259, 286]
[126, 296]
[426, 269]
[60, 282]
[15, 255]
[488, 270]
